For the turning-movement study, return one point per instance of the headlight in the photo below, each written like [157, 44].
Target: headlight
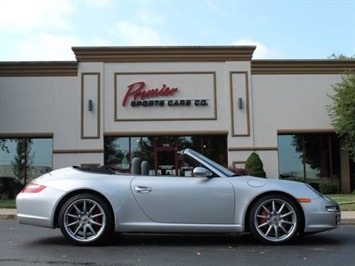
[332, 208]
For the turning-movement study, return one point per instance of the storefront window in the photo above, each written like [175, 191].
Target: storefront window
[161, 151]
[308, 156]
[144, 150]
[22, 160]
[117, 152]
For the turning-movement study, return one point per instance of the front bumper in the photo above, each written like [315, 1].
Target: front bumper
[323, 214]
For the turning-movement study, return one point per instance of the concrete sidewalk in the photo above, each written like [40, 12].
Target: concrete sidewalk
[347, 217]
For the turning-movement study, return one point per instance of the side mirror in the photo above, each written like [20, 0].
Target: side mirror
[202, 172]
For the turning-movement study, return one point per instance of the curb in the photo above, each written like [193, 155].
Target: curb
[8, 214]
[8, 217]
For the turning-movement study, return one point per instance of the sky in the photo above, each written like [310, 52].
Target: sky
[45, 30]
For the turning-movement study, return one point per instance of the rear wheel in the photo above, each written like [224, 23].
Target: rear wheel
[274, 219]
[85, 219]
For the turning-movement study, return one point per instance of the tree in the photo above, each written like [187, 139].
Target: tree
[3, 145]
[23, 160]
[113, 154]
[145, 150]
[314, 152]
[340, 57]
[342, 111]
[254, 165]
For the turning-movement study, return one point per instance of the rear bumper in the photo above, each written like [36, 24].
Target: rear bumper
[37, 208]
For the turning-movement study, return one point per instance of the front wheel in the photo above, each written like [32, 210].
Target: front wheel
[274, 219]
[85, 219]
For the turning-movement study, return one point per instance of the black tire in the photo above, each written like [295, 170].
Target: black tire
[274, 219]
[86, 219]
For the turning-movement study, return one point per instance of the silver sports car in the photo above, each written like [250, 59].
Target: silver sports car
[89, 204]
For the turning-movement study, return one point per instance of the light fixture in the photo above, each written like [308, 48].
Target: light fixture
[90, 105]
[240, 103]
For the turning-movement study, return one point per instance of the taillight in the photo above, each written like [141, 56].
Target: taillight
[33, 188]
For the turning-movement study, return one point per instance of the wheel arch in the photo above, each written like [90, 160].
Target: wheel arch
[76, 192]
[247, 213]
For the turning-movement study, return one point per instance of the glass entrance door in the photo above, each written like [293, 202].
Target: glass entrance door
[166, 162]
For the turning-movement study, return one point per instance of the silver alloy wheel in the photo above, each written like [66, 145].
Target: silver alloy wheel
[275, 220]
[84, 220]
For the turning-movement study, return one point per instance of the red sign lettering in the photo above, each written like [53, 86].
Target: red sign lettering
[136, 90]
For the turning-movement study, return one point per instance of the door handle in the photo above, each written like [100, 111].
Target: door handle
[140, 189]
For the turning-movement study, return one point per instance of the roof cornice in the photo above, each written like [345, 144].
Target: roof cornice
[38, 69]
[328, 66]
[174, 54]
[164, 54]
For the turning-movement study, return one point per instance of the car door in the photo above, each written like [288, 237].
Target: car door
[188, 200]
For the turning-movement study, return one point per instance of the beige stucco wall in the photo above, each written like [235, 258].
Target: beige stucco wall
[287, 103]
[56, 106]
[276, 103]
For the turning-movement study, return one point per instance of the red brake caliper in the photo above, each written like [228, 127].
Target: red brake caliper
[98, 220]
[263, 220]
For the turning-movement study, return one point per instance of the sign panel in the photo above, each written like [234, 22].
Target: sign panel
[165, 96]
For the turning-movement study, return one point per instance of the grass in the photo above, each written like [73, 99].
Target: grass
[7, 204]
[342, 199]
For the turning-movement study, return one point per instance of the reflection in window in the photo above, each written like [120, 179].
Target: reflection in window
[117, 152]
[120, 151]
[308, 156]
[25, 159]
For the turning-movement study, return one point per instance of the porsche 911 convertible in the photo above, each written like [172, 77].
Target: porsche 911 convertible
[89, 204]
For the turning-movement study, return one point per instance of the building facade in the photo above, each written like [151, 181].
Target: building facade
[116, 103]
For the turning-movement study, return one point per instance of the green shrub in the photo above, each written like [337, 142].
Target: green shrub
[327, 186]
[294, 178]
[254, 166]
[315, 185]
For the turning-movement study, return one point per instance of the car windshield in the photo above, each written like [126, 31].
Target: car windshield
[213, 164]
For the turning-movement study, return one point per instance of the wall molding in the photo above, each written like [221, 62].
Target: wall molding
[73, 151]
[329, 66]
[164, 133]
[236, 114]
[304, 131]
[38, 69]
[95, 114]
[26, 135]
[252, 148]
